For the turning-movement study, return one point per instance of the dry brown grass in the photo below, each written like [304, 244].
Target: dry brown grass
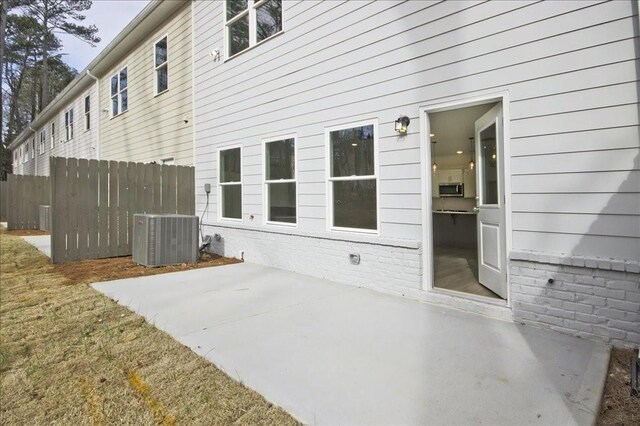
[619, 407]
[69, 355]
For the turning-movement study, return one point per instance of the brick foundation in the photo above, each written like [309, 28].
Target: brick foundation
[592, 298]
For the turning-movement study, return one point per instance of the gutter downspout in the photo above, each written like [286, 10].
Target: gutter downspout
[34, 147]
[97, 115]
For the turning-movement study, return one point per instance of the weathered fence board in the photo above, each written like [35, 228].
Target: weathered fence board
[24, 196]
[3, 200]
[93, 203]
[93, 209]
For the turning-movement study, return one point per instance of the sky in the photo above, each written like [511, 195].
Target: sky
[110, 16]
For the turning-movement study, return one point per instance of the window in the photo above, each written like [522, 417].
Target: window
[53, 134]
[280, 180]
[26, 153]
[43, 137]
[230, 183]
[353, 192]
[87, 113]
[68, 124]
[249, 22]
[33, 148]
[161, 59]
[119, 98]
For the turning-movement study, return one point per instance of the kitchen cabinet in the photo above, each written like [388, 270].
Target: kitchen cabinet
[450, 175]
[469, 180]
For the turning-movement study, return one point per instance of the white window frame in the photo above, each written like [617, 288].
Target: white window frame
[220, 184]
[330, 180]
[265, 182]
[87, 113]
[25, 157]
[252, 7]
[156, 68]
[33, 147]
[68, 124]
[118, 94]
[41, 146]
[52, 129]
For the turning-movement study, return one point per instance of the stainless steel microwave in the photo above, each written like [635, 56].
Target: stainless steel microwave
[451, 189]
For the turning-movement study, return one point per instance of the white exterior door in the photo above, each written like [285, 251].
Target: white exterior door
[492, 268]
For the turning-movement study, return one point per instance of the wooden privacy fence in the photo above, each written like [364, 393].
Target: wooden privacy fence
[25, 194]
[93, 203]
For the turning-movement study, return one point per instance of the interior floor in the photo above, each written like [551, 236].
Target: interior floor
[457, 269]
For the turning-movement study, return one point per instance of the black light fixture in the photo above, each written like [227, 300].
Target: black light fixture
[402, 123]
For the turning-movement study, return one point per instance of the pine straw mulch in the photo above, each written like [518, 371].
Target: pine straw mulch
[69, 355]
[619, 407]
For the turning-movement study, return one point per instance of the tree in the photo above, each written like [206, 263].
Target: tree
[58, 15]
[18, 62]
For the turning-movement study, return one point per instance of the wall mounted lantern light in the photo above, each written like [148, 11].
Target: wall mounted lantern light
[471, 163]
[402, 123]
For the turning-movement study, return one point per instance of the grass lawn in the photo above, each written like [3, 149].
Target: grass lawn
[69, 355]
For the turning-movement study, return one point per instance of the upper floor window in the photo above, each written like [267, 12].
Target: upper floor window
[119, 97]
[161, 63]
[230, 183]
[33, 148]
[68, 124]
[87, 113]
[249, 22]
[280, 180]
[353, 193]
[41, 147]
[25, 157]
[53, 134]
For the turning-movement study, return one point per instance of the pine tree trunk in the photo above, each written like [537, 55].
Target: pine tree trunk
[3, 27]
[44, 82]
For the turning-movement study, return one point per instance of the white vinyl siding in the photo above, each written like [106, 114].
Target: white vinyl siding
[570, 69]
[162, 126]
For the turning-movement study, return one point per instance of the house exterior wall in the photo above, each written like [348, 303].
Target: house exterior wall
[569, 70]
[154, 127]
[82, 145]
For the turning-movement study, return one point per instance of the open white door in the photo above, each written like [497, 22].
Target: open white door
[492, 268]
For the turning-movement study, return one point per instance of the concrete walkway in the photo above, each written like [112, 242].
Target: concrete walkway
[41, 242]
[333, 354]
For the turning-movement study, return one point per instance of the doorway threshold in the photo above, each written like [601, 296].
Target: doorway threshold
[486, 306]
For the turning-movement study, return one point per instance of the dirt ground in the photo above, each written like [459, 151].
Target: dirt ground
[618, 406]
[69, 355]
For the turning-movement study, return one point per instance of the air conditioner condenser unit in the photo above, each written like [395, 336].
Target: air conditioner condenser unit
[165, 239]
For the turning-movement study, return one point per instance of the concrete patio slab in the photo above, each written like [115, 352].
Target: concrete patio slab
[41, 242]
[333, 354]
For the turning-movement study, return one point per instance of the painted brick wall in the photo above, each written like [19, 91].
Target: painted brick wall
[589, 297]
[389, 265]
